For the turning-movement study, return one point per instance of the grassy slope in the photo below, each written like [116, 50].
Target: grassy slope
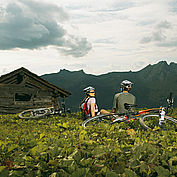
[59, 146]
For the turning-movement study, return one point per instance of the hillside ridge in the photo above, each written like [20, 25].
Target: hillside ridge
[152, 84]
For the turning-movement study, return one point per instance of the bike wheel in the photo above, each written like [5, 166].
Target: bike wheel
[34, 113]
[104, 118]
[152, 122]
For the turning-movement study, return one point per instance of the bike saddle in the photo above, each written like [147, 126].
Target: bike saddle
[129, 106]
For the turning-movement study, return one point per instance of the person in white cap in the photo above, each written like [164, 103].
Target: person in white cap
[88, 106]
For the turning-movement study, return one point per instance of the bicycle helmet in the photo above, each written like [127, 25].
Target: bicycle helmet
[88, 89]
[126, 84]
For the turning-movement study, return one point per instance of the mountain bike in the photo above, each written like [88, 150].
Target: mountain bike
[148, 119]
[43, 112]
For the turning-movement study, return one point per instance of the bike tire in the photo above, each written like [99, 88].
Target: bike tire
[103, 118]
[151, 121]
[34, 113]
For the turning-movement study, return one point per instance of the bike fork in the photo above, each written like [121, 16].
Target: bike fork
[162, 117]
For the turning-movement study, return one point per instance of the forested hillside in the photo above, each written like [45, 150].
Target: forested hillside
[152, 84]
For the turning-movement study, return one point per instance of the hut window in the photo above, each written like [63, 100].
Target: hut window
[22, 97]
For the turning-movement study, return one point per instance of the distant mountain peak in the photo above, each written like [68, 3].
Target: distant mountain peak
[160, 66]
[162, 62]
[173, 64]
[65, 71]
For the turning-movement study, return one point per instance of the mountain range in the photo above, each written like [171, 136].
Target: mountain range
[152, 85]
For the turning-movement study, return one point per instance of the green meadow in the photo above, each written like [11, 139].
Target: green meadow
[60, 147]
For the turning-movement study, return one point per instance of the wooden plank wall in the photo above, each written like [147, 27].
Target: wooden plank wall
[39, 98]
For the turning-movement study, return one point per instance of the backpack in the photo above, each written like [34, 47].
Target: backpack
[84, 108]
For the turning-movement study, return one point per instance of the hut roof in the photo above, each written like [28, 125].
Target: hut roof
[12, 78]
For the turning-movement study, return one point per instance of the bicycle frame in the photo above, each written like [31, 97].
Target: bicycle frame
[132, 115]
[135, 115]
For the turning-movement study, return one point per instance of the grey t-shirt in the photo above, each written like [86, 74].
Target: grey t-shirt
[120, 99]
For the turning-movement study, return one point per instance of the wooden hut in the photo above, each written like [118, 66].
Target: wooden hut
[22, 89]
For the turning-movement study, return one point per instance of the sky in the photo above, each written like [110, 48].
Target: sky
[98, 36]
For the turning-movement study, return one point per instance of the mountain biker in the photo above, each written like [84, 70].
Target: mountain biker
[88, 105]
[124, 97]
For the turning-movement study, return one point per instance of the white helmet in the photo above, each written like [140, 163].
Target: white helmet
[126, 84]
[88, 89]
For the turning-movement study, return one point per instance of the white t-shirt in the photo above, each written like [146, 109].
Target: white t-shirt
[90, 101]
